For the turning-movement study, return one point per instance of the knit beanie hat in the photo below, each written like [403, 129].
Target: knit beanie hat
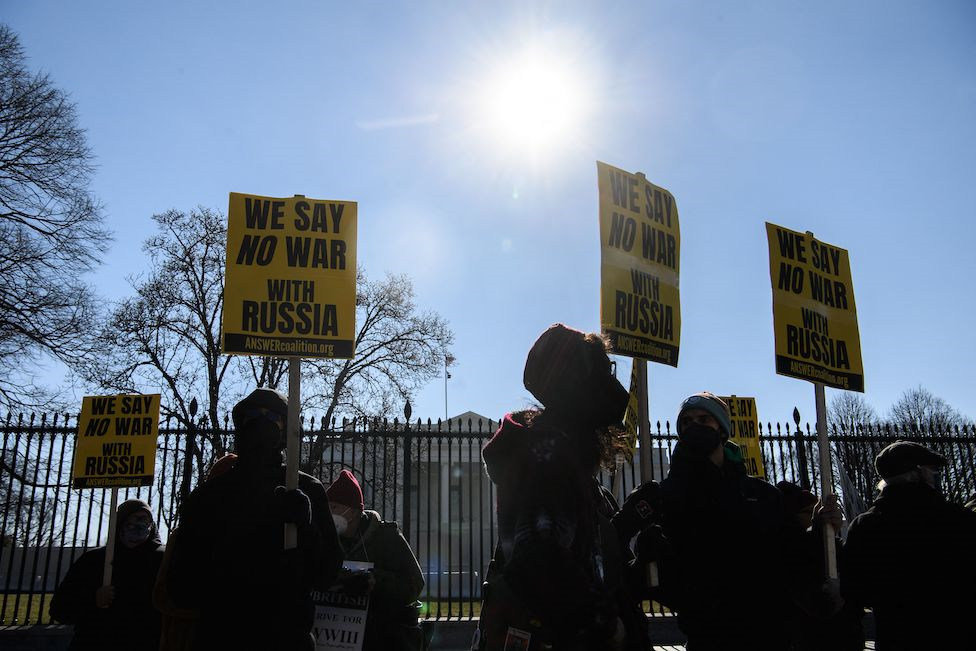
[222, 465]
[260, 398]
[712, 404]
[902, 456]
[345, 490]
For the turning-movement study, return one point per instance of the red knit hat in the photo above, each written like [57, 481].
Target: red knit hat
[796, 498]
[222, 465]
[345, 490]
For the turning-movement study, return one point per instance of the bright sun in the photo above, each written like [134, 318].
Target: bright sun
[533, 103]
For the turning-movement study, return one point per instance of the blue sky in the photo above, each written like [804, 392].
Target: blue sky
[856, 121]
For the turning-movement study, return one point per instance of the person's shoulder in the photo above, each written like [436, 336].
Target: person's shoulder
[762, 488]
[866, 522]
[965, 517]
[93, 554]
[212, 486]
[310, 484]
[374, 519]
[91, 558]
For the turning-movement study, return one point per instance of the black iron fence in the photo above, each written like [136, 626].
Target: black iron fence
[426, 475]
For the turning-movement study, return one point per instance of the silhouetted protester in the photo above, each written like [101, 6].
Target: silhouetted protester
[557, 576]
[638, 521]
[119, 616]
[178, 624]
[394, 582]
[909, 557]
[819, 619]
[230, 564]
[729, 577]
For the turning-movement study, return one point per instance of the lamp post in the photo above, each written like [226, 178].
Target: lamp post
[407, 469]
[448, 360]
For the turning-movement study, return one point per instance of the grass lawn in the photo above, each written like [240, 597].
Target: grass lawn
[22, 609]
[27, 610]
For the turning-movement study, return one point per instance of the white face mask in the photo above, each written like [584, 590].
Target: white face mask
[341, 523]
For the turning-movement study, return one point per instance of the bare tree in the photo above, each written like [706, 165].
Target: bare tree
[398, 350]
[850, 412]
[51, 227]
[934, 423]
[166, 338]
[919, 409]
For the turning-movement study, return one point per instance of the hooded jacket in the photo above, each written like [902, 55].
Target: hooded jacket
[557, 551]
[907, 557]
[130, 623]
[391, 623]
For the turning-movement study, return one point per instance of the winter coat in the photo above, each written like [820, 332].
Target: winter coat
[391, 623]
[909, 558]
[230, 565]
[130, 623]
[178, 624]
[558, 559]
[816, 623]
[730, 576]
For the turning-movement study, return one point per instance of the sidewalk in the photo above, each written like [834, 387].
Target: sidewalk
[456, 635]
[445, 636]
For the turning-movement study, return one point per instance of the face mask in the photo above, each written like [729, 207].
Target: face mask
[700, 440]
[933, 478]
[341, 524]
[259, 437]
[136, 533]
[611, 408]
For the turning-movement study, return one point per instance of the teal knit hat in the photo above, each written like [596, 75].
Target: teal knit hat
[712, 404]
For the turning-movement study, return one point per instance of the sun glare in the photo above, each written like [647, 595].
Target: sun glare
[533, 103]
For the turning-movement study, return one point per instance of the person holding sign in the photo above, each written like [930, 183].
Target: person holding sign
[179, 624]
[231, 565]
[121, 615]
[909, 557]
[819, 618]
[393, 583]
[733, 540]
[557, 575]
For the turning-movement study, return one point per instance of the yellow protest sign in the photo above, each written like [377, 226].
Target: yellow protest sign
[745, 433]
[290, 284]
[814, 316]
[640, 311]
[116, 443]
